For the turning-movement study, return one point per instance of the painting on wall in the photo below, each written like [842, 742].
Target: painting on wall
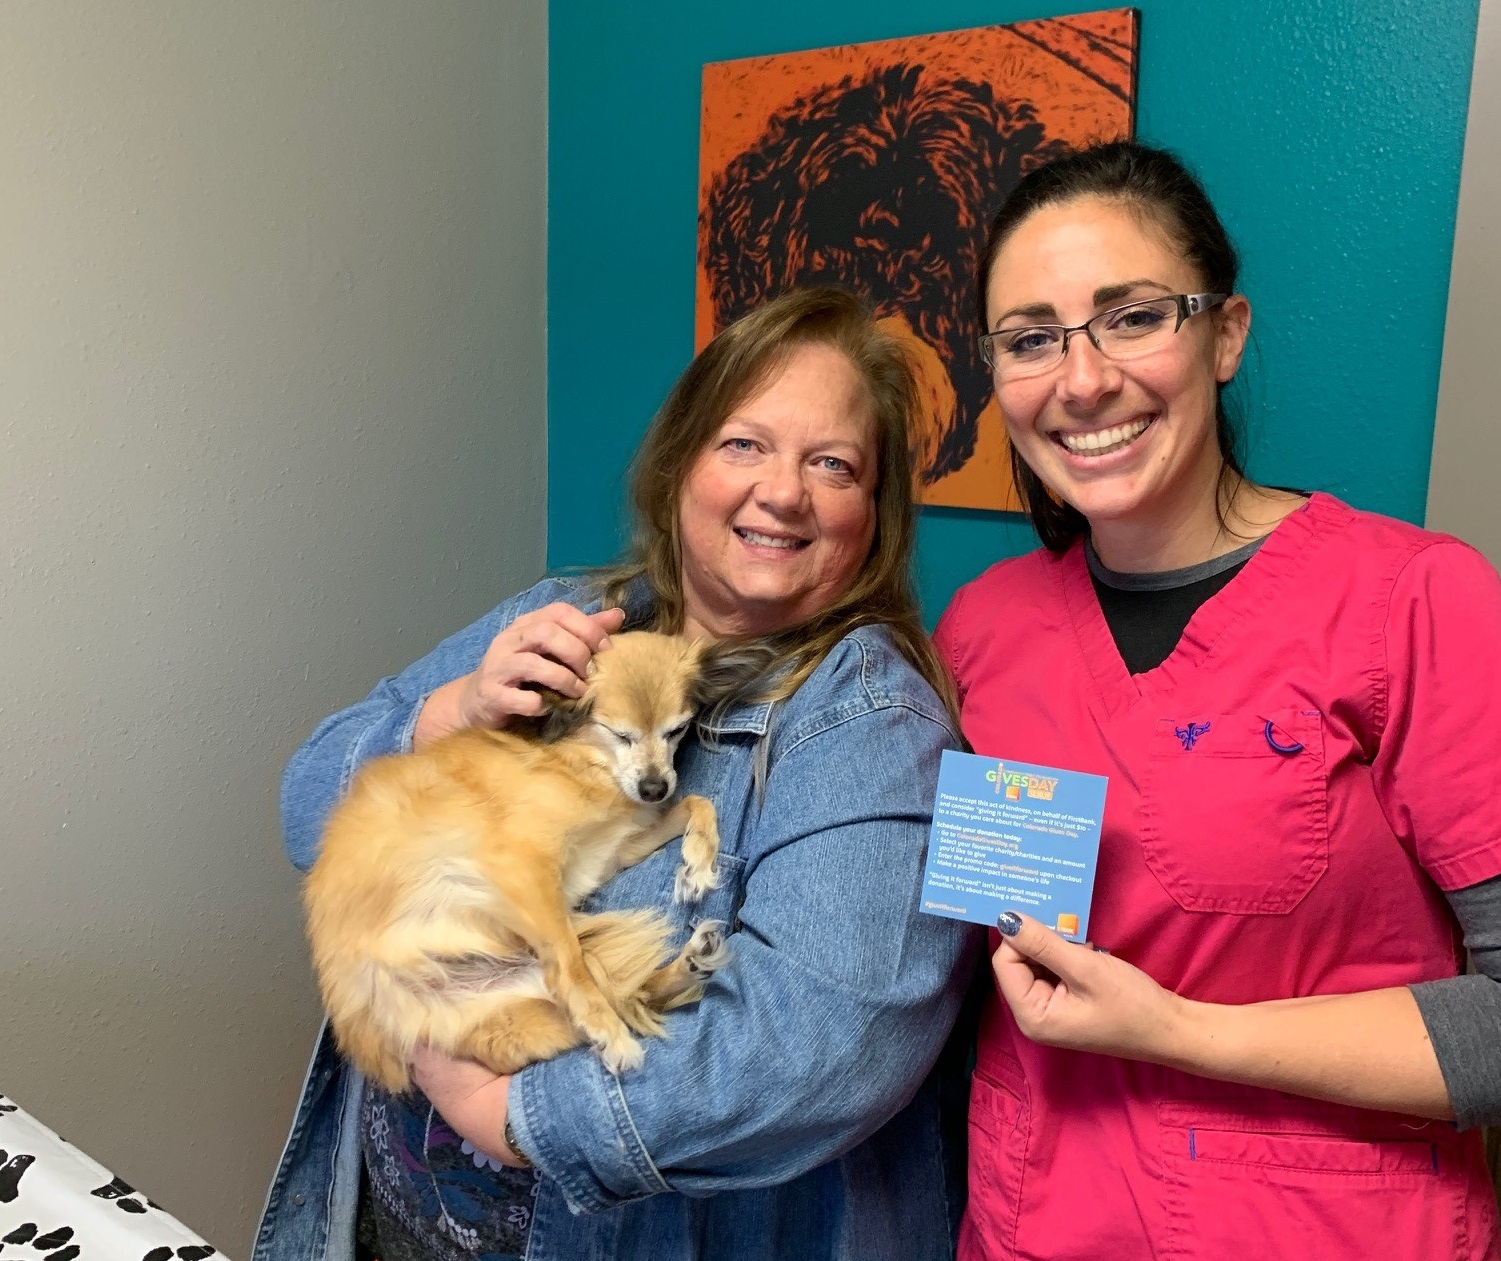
[877, 167]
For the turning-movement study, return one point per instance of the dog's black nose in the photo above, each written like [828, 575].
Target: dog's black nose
[652, 788]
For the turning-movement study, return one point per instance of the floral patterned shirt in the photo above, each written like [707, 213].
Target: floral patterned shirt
[444, 1194]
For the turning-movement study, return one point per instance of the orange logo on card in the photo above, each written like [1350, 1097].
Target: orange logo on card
[1013, 792]
[1068, 925]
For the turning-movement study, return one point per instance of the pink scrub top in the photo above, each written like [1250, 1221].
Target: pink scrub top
[1289, 792]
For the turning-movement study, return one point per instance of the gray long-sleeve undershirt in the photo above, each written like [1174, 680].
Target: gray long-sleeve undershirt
[1463, 1013]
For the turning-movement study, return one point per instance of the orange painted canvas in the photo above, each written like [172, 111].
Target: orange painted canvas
[878, 167]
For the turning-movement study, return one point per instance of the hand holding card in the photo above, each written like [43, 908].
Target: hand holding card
[1086, 1000]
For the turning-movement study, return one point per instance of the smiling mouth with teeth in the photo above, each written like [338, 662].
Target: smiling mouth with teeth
[1103, 441]
[769, 540]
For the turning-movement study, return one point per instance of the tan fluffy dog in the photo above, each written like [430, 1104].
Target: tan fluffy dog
[441, 907]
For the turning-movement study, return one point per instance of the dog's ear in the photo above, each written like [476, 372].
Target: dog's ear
[730, 669]
[562, 716]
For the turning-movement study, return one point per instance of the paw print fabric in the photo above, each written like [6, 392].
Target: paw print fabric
[56, 1204]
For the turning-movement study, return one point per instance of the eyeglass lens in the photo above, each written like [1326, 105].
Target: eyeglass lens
[1120, 334]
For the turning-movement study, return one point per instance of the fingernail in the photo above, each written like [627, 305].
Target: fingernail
[1009, 922]
[603, 644]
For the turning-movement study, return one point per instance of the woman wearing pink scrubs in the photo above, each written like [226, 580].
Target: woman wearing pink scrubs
[1298, 708]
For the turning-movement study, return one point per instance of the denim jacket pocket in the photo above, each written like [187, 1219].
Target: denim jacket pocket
[649, 883]
[1234, 813]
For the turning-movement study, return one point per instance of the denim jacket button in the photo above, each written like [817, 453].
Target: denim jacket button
[299, 1199]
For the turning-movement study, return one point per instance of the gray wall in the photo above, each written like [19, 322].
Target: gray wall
[1464, 487]
[272, 360]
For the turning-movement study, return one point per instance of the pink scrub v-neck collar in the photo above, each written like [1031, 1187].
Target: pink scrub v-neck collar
[1256, 589]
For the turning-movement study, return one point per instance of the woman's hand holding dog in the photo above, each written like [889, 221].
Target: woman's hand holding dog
[551, 648]
[471, 1098]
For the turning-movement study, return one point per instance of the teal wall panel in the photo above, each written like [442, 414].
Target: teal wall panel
[1329, 133]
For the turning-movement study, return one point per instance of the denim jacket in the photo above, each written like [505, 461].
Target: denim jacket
[793, 1113]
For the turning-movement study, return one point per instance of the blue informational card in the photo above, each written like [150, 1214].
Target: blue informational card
[1010, 836]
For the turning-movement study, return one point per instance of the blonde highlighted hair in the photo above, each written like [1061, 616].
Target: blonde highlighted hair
[727, 372]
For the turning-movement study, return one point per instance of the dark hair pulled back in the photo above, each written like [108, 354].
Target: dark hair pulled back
[1160, 189]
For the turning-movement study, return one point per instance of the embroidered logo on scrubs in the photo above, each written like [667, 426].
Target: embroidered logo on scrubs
[1191, 733]
[1287, 749]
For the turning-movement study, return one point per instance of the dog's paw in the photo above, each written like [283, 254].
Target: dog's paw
[702, 835]
[621, 1055]
[692, 883]
[707, 950]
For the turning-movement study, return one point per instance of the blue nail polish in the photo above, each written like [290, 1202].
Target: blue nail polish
[1009, 923]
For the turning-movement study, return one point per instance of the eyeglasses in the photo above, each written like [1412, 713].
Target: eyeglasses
[1123, 332]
